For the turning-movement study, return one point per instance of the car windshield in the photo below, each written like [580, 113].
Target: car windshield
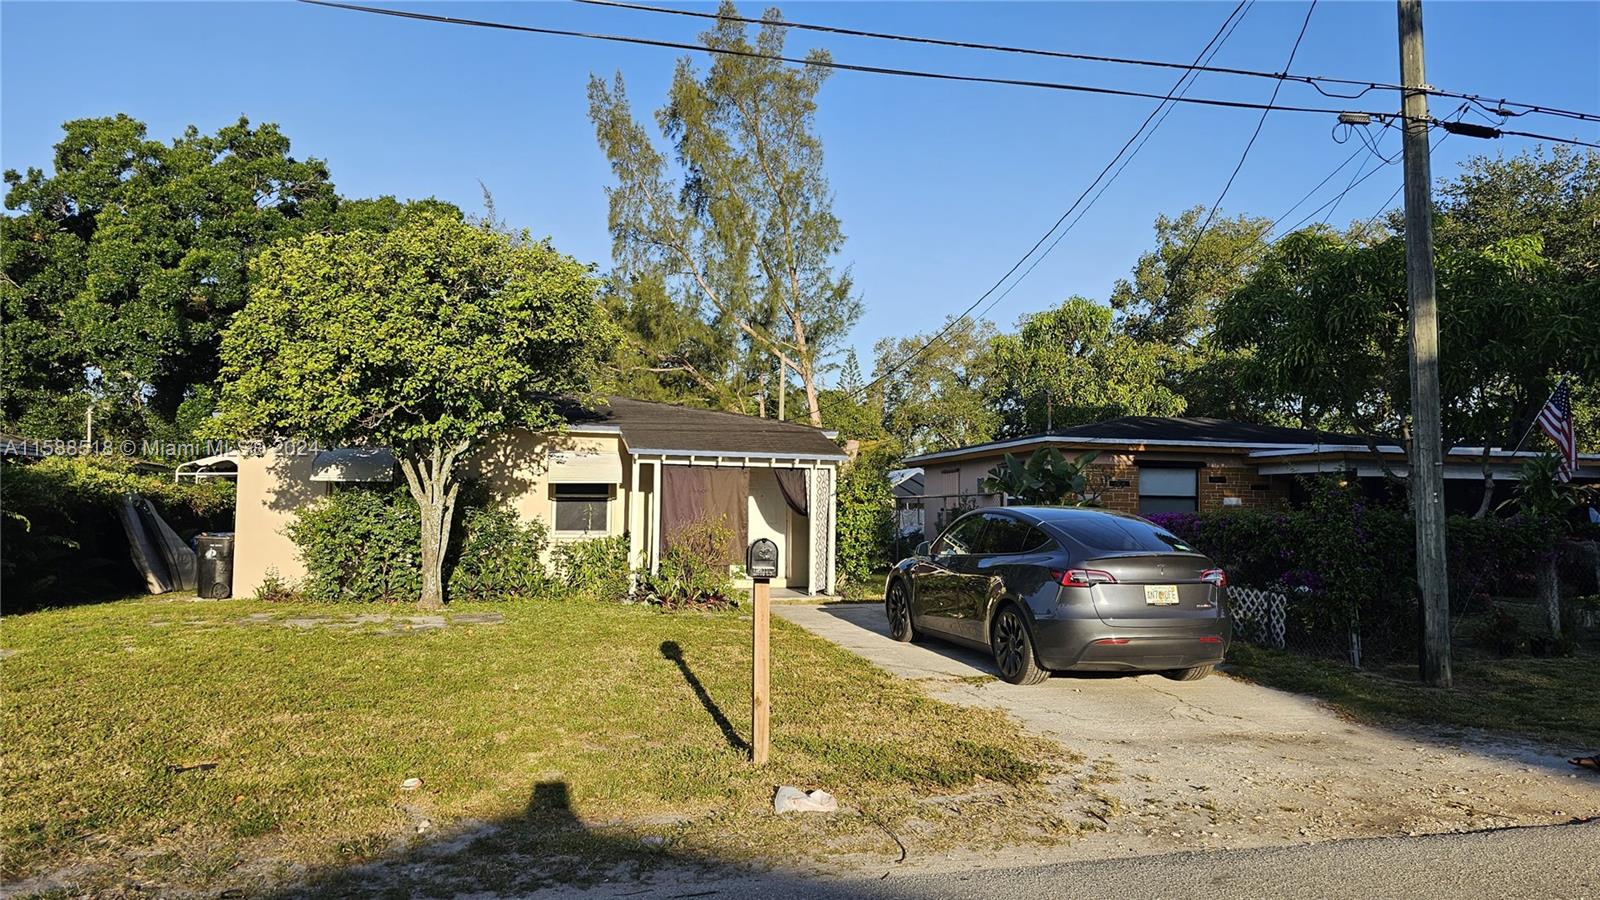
[1110, 534]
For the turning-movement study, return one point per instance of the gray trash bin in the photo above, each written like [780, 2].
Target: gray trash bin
[215, 549]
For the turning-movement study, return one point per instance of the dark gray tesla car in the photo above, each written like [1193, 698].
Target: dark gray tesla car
[1051, 588]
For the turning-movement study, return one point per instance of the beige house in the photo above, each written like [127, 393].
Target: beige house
[645, 470]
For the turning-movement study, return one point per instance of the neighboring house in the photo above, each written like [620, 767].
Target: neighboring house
[908, 489]
[1150, 464]
[642, 469]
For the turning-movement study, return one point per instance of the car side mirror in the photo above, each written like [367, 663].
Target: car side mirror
[922, 550]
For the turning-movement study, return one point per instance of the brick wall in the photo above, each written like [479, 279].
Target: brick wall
[1116, 478]
[1254, 491]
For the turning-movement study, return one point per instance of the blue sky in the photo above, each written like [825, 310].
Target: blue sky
[940, 186]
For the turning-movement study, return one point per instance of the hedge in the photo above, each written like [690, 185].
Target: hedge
[1344, 560]
[62, 540]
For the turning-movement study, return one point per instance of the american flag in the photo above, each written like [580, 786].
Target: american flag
[1556, 421]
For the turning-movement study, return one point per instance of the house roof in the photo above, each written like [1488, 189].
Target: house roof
[664, 428]
[1183, 431]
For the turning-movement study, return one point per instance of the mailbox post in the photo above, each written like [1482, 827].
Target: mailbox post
[761, 564]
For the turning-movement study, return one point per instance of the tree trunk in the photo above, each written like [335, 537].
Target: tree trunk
[1487, 503]
[433, 485]
[1550, 591]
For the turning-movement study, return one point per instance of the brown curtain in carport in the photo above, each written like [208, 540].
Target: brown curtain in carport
[792, 482]
[694, 494]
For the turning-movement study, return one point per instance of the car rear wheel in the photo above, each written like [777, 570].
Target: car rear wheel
[1194, 674]
[897, 605]
[1013, 648]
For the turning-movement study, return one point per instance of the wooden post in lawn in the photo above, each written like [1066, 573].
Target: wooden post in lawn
[761, 671]
[761, 564]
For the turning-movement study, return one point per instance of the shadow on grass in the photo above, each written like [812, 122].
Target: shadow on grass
[550, 851]
[673, 652]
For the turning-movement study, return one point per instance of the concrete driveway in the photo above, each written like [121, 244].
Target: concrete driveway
[1169, 766]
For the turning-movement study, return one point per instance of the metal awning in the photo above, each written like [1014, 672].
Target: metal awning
[197, 469]
[585, 465]
[353, 464]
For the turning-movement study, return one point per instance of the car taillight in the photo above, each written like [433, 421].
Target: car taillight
[1084, 578]
[1215, 576]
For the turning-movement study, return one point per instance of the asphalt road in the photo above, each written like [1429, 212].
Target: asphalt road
[1559, 862]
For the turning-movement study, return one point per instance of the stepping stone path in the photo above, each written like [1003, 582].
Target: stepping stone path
[397, 624]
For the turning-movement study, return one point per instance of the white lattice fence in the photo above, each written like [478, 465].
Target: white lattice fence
[1258, 615]
[1262, 616]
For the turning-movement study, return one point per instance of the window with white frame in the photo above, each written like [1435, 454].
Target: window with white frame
[1163, 489]
[581, 508]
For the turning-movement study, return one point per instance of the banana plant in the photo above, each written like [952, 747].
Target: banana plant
[1047, 478]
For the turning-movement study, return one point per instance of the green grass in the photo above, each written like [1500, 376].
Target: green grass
[567, 726]
[869, 590]
[1548, 699]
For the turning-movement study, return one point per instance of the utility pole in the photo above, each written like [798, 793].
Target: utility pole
[1427, 452]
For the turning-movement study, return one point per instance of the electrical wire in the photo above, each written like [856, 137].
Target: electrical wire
[1314, 81]
[1224, 31]
[1170, 98]
[1501, 132]
[1192, 78]
[832, 64]
[1194, 243]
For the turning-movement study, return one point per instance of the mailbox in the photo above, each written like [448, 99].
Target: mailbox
[761, 560]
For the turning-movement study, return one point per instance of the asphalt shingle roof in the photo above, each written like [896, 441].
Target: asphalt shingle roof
[1159, 429]
[682, 429]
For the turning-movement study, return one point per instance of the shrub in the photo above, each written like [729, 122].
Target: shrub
[360, 544]
[595, 569]
[1345, 562]
[274, 589]
[693, 571]
[500, 556]
[62, 541]
[865, 525]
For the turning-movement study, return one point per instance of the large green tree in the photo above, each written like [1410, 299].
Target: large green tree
[1323, 326]
[932, 390]
[1173, 292]
[424, 340]
[740, 219]
[1071, 365]
[124, 263]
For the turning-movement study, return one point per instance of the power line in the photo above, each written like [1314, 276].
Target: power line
[1194, 243]
[1331, 201]
[1314, 81]
[841, 66]
[1142, 141]
[880, 70]
[1224, 31]
[1501, 132]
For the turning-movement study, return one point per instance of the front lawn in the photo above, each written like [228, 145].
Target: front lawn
[163, 745]
[1553, 700]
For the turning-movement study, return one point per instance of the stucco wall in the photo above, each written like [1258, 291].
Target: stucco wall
[769, 517]
[270, 488]
[516, 468]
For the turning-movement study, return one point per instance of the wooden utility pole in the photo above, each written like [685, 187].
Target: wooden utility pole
[760, 670]
[1427, 450]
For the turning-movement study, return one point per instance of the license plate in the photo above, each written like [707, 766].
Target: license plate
[1161, 594]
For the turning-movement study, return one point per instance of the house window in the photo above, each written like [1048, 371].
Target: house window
[582, 508]
[1167, 490]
